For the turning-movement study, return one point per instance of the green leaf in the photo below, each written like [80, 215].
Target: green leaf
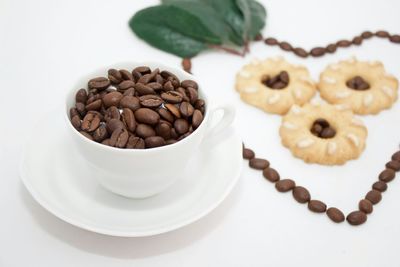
[254, 15]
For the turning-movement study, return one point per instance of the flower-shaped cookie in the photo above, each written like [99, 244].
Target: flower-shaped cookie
[274, 85]
[323, 133]
[364, 87]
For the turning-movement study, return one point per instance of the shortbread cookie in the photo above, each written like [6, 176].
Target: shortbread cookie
[323, 134]
[364, 87]
[274, 85]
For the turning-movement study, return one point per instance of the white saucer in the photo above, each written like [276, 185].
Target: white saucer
[57, 177]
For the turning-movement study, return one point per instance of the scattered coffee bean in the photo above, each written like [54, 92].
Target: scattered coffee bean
[271, 174]
[285, 185]
[300, 52]
[187, 65]
[387, 175]
[395, 38]
[367, 34]
[357, 40]
[394, 165]
[396, 156]
[343, 43]
[317, 52]
[380, 186]
[365, 206]
[322, 129]
[335, 215]
[279, 81]
[285, 46]
[374, 196]
[356, 218]
[271, 41]
[248, 153]
[317, 206]
[382, 34]
[258, 164]
[301, 194]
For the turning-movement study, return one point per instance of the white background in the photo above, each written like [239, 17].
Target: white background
[45, 45]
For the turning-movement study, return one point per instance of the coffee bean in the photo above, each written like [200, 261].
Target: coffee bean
[106, 142]
[96, 105]
[130, 102]
[129, 119]
[197, 118]
[163, 130]
[92, 97]
[119, 138]
[90, 122]
[387, 175]
[285, 46]
[126, 75]
[382, 34]
[154, 141]
[142, 89]
[170, 141]
[81, 109]
[143, 69]
[394, 165]
[114, 76]
[380, 186]
[111, 113]
[335, 215]
[144, 131]
[125, 85]
[187, 65]
[356, 218]
[150, 101]
[135, 142]
[189, 83]
[395, 39]
[114, 124]
[317, 52]
[248, 153]
[328, 132]
[374, 196]
[316, 129]
[112, 99]
[301, 194]
[365, 206]
[146, 115]
[367, 34]
[145, 79]
[173, 109]
[168, 86]
[166, 115]
[155, 86]
[271, 174]
[357, 40]
[192, 94]
[100, 133]
[76, 122]
[186, 109]
[317, 206]
[173, 97]
[73, 112]
[300, 52]
[396, 156]
[99, 83]
[181, 126]
[259, 164]
[271, 41]
[285, 185]
[129, 92]
[81, 96]
[136, 75]
[87, 135]
[343, 43]
[331, 48]
[182, 91]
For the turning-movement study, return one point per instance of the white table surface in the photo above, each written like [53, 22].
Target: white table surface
[45, 45]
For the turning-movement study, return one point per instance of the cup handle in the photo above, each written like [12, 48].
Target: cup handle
[224, 122]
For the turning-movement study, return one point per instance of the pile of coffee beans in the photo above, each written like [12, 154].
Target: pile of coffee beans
[142, 108]
[358, 83]
[331, 48]
[322, 129]
[279, 81]
[303, 196]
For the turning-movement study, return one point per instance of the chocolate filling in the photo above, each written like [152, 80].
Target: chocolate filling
[279, 81]
[358, 83]
[322, 129]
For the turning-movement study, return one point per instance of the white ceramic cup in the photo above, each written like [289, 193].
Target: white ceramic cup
[140, 173]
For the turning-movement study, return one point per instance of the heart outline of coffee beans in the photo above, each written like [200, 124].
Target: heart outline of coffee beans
[303, 196]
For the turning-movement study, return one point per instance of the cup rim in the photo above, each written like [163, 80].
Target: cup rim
[182, 75]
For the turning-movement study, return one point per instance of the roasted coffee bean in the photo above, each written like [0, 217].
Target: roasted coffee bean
[356, 217]
[259, 164]
[187, 65]
[343, 43]
[357, 40]
[301, 194]
[106, 142]
[87, 135]
[143, 69]
[92, 97]
[73, 112]
[142, 89]
[114, 76]
[146, 115]
[324, 123]
[129, 92]
[197, 118]
[163, 130]
[155, 86]
[99, 83]
[258, 37]
[119, 138]
[136, 75]
[145, 79]
[159, 79]
[328, 132]
[374, 196]
[317, 52]
[300, 52]
[331, 48]
[170, 141]
[192, 94]
[166, 115]
[112, 113]
[189, 83]
[76, 122]
[396, 156]
[125, 85]
[382, 34]
[90, 122]
[394, 165]
[387, 175]
[96, 105]
[186, 109]
[380, 186]
[182, 91]
[395, 39]
[112, 99]
[154, 141]
[81, 96]
[173, 109]
[181, 126]
[150, 101]
[168, 75]
[172, 97]
[135, 142]
[199, 104]
[367, 34]
[316, 206]
[168, 86]
[271, 174]
[248, 153]
[126, 75]
[114, 124]
[365, 206]
[271, 41]
[285, 185]
[285, 46]
[97, 113]
[129, 119]
[81, 109]
[100, 133]
[144, 131]
[174, 134]
[130, 102]
[335, 215]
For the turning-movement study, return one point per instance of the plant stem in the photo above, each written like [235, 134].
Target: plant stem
[227, 49]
